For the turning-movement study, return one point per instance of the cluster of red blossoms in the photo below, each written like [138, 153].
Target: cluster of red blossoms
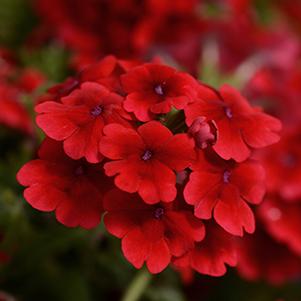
[167, 160]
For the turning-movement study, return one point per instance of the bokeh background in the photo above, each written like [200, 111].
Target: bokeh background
[254, 45]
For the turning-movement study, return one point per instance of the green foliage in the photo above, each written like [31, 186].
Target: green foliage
[16, 21]
[52, 60]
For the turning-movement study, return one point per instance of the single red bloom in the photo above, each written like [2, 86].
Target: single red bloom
[145, 160]
[80, 118]
[211, 255]
[261, 257]
[155, 89]
[73, 189]
[225, 187]
[240, 127]
[150, 233]
[282, 221]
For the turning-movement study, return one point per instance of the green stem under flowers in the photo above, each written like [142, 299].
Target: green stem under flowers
[137, 286]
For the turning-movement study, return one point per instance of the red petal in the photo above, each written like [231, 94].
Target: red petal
[135, 248]
[85, 142]
[232, 213]
[159, 257]
[139, 104]
[154, 134]
[260, 130]
[202, 192]
[229, 143]
[249, 177]
[59, 121]
[178, 153]
[35, 195]
[120, 142]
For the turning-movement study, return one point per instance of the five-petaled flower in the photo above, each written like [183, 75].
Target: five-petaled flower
[73, 189]
[240, 127]
[151, 233]
[145, 160]
[79, 119]
[155, 89]
[224, 188]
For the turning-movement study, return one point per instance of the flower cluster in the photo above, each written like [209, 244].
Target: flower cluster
[166, 159]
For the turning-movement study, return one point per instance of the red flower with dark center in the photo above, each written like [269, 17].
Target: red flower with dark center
[80, 118]
[240, 127]
[145, 160]
[211, 255]
[282, 221]
[225, 187]
[73, 189]
[155, 89]
[150, 233]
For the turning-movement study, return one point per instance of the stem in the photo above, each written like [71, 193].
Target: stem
[137, 286]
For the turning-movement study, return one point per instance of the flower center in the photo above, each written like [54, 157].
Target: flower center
[79, 171]
[226, 176]
[159, 212]
[159, 90]
[147, 155]
[228, 112]
[96, 111]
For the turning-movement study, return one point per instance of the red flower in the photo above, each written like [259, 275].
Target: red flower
[261, 257]
[150, 233]
[282, 221]
[145, 160]
[225, 187]
[154, 89]
[73, 189]
[211, 255]
[12, 113]
[282, 162]
[240, 127]
[80, 118]
[30, 80]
